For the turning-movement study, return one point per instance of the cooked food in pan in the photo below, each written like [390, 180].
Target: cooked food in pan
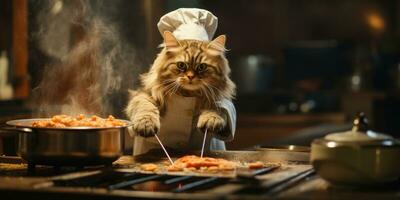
[192, 162]
[255, 165]
[62, 121]
[205, 164]
[149, 167]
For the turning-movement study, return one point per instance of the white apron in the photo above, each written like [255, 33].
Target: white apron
[178, 128]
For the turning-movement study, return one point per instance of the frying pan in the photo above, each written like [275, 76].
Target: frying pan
[271, 159]
[69, 146]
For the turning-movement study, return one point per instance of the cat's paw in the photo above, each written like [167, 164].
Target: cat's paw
[146, 125]
[211, 121]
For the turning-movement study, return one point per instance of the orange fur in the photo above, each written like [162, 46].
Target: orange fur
[212, 85]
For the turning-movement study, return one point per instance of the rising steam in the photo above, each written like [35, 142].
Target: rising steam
[89, 62]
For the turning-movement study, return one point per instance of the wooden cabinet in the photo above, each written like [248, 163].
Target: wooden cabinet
[20, 48]
[14, 41]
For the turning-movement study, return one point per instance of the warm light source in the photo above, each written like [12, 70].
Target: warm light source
[331, 144]
[376, 21]
[57, 7]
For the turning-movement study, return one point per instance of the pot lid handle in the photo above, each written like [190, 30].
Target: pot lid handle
[360, 123]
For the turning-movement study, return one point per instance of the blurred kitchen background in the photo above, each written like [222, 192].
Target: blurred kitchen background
[302, 68]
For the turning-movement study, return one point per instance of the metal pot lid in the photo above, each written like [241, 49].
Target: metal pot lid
[359, 133]
[350, 136]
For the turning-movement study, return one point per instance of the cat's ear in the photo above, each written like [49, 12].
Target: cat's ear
[217, 46]
[170, 41]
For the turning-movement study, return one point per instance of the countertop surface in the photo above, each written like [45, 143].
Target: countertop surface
[14, 181]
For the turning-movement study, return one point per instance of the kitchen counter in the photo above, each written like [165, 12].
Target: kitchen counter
[315, 188]
[15, 184]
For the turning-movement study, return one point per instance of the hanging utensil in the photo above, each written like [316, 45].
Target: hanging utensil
[204, 143]
[165, 151]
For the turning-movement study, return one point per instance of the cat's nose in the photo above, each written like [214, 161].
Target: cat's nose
[190, 75]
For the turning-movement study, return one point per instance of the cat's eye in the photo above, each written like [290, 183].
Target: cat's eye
[201, 67]
[181, 66]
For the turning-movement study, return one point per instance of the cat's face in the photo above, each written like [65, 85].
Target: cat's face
[190, 68]
[193, 65]
[193, 68]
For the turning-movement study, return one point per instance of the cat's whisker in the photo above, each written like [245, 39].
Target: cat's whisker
[203, 92]
[214, 87]
[218, 91]
[167, 81]
[170, 89]
[164, 83]
[167, 88]
[210, 99]
[177, 86]
[212, 94]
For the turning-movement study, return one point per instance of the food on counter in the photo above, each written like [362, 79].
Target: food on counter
[255, 165]
[174, 168]
[149, 167]
[192, 162]
[62, 121]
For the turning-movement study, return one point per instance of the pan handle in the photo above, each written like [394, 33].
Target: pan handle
[14, 130]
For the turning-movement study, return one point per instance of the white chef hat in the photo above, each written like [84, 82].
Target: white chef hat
[189, 23]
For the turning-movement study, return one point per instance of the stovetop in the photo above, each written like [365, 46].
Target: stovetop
[288, 180]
